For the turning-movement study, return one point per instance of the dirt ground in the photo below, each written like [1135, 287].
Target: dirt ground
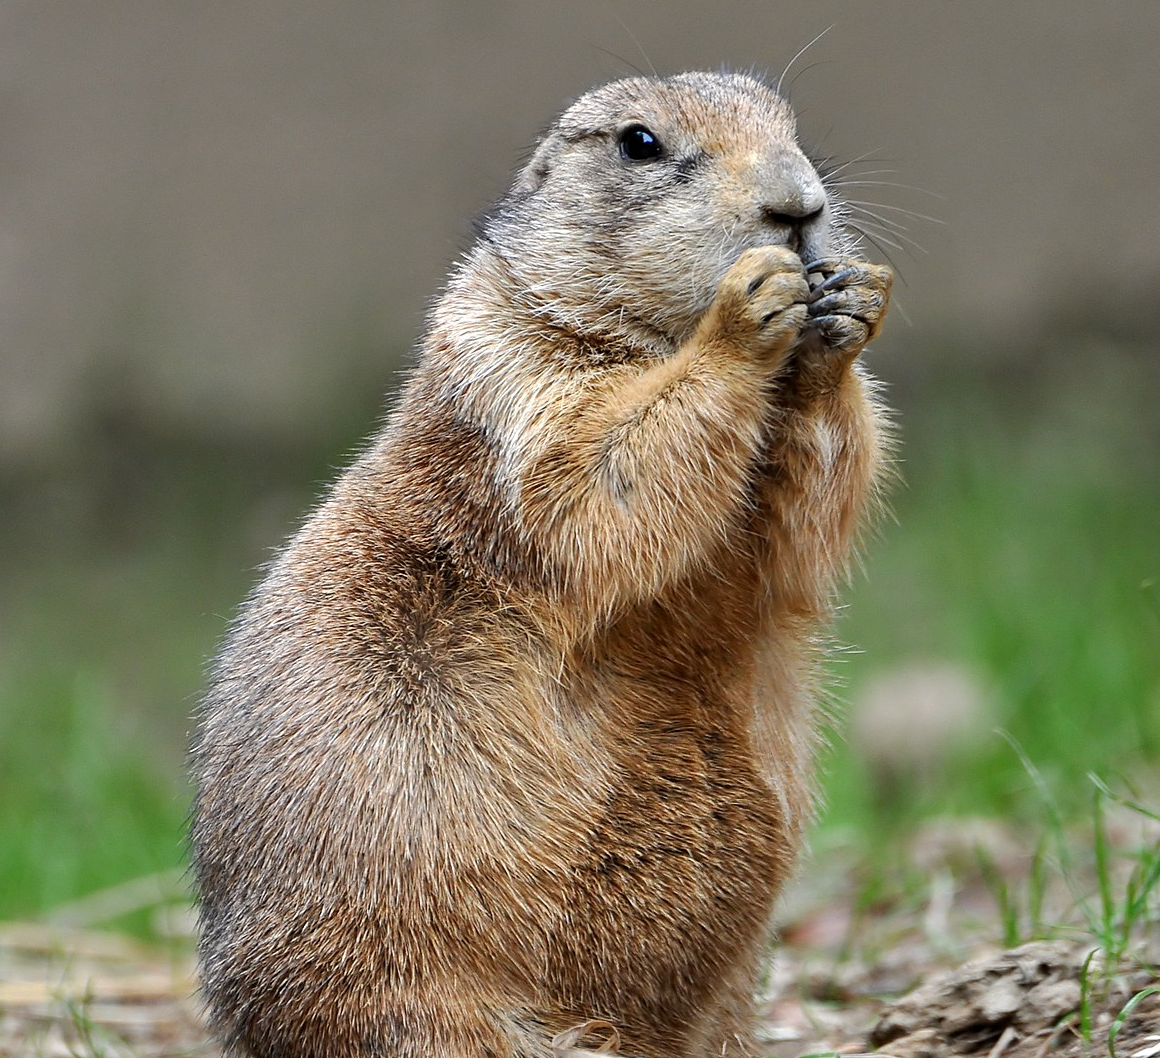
[907, 961]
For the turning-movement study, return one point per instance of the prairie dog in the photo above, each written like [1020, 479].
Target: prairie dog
[512, 746]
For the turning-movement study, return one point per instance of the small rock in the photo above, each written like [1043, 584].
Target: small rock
[925, 1043]
[1049, 1001]
[1035, 982]
[1001, 1000]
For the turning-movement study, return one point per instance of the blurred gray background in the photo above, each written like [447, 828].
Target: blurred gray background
[231, 216]
[221, 224]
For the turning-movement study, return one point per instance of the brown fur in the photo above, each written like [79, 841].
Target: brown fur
[517, 732]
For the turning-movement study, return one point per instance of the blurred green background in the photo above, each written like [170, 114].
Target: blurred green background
[221, 226]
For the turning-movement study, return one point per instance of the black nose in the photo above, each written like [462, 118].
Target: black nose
[790, 215]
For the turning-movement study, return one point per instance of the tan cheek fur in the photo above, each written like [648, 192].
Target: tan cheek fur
[518, 731]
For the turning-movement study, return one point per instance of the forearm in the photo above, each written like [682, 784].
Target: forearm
[639, 479]
[822, 467]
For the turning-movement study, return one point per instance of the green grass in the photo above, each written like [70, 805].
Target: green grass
[1027, 548]
[83, 806]
[121, 569]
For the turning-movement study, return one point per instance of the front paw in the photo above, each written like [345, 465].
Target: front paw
[761, 303]
[847, 305]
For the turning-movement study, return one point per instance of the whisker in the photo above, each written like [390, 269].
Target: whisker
[806, 69]
[620, 59]
[888, 239]
[898, 237]
[821, 162]
[639, 46]
[801, 52]
[881, 249]
[853, 161]
[887, 222]
[870, 172]
[897, 209]
[889, 183]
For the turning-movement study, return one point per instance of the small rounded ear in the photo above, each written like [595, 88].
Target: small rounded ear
[532, 176]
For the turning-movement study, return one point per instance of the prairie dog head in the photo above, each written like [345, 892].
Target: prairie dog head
[643, 193]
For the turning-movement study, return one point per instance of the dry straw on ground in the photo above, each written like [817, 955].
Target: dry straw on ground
[917, 973]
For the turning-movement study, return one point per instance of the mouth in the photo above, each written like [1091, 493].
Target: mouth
[792, 239]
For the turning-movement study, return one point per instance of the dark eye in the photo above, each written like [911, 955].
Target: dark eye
[637, 144]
